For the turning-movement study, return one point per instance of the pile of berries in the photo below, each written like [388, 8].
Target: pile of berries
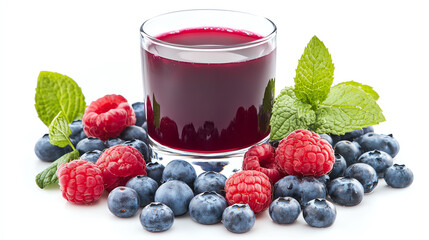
[305, 172]
[90, 136]
[361, 158]
[209, 198]
[112, 149]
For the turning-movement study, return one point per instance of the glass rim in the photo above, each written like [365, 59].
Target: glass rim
[209, 48]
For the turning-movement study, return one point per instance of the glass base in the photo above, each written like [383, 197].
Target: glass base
[226, 163]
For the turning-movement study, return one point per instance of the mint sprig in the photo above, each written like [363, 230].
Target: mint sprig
[56, 92]
[59, 101]
[313, 104]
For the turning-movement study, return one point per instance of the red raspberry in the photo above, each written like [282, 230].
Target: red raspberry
[80, 181]
[304, 153]
[251, 187]
[262, 158]
[107, 117]
[119, 164]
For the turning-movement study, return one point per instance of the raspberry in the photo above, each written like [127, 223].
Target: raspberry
[119, 164]
[80, 181]
[262, 158]
[251, 187]
[107, 117]
[304, 153]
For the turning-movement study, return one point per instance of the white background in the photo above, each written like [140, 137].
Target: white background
[381, 43]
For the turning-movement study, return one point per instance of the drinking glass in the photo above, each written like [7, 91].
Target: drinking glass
[208, 78]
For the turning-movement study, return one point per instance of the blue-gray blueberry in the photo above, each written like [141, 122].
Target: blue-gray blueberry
[284, 210]
[145, 188]
[319, 213]
[156, 217]
[238, 218]
[207, 208]
[123, 202]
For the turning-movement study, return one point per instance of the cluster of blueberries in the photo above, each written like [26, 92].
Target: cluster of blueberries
[90, 148]
[174, 190]
[362, 157]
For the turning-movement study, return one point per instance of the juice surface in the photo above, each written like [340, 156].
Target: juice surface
[208, 106]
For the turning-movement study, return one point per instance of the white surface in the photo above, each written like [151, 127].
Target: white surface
[380, 43]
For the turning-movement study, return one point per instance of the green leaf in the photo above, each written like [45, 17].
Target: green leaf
[59, 131]
[314, 74]
[49, 175]
[347, 108]
[289, 114]
[366, 88]
[56, 92]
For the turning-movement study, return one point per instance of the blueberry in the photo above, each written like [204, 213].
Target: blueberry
[144, 126]
[154, 170]
[287, 187]
[327, 138]
[238, 218]
[284, 210]
[339, 167]
[274, 143]
[335, 139]
[138, 108]
[113, 142]
[47, 152]
[346, 191]
[145, 188]
[91, 156]
[207, 207]
[319, 213]
[142, 147]
[179, 170]
[365, 174]
[156, 217]
[324, 179]
[368, 129]
[77, 132]
[379, 160]
[210, 181]
[90, 144]
[348, 150]
[350, 136]
[398, 176]
[134, 132]
[373, 141]
[302, 189]
[123, 202]
[175, 194]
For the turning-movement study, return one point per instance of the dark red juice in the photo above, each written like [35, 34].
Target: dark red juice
[209, 102]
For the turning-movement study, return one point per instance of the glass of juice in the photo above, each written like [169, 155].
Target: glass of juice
[208, 79]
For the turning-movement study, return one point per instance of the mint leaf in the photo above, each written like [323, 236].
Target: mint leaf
[347, 108]
[289, 114]
[366, 88]
[314, 74]
[59, 131]
[49, 175]
[56, 92]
